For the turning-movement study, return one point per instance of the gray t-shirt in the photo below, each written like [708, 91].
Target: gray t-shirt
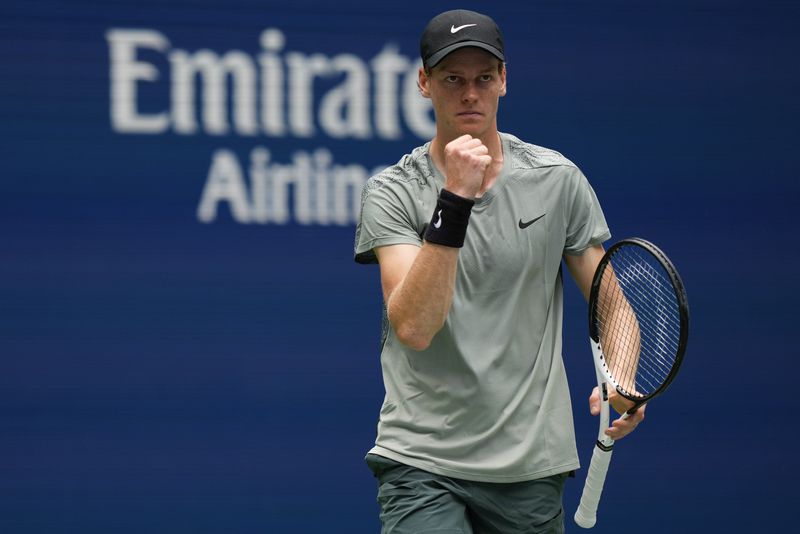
[488, 399]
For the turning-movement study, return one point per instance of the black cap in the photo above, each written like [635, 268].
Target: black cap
[456, 29]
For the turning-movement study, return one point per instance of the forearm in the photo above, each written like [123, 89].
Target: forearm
[419, 304]
[621, 337]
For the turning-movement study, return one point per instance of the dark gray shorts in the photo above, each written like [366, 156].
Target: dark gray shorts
[414, 501]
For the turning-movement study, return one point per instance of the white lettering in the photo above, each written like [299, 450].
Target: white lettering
[272, 83]
[126, 71]
[259, 184]
[214, 71]
[272, 93]
[309, 190]
[351, 178]
[224, 183]
[276, 93]
[388, 65]
[322, 182]
[302, 71]
[300, 176]
[345, 109]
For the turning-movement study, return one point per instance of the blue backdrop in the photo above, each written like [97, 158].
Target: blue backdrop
[186, 343]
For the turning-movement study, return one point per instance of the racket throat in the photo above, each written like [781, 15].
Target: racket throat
[604, 443]
[602, 386]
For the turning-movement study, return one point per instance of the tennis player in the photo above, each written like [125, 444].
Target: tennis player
[469, 230]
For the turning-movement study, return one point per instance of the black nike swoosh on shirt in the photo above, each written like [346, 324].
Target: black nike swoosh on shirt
[524, 225]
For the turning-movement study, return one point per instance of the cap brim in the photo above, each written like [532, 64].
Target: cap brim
[438, 56]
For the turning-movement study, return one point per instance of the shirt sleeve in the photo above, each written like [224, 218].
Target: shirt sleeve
[386, 218]
[586, 224]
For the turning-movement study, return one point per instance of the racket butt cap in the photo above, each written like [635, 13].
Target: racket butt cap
[583, 521]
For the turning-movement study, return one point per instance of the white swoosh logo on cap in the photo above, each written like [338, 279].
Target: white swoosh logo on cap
[453, 29]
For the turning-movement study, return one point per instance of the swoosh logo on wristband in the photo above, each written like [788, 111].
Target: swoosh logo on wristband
[524, 225]
[438, 224]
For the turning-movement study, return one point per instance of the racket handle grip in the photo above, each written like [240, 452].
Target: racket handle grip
[586, 515]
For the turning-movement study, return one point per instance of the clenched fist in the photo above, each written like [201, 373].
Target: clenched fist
[465, 162]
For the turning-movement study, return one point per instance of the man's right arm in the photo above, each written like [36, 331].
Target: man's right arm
[417, 287]
[418, 282]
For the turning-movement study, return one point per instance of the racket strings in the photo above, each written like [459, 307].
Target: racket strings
[638, 319]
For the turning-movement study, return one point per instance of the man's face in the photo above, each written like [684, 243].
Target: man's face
[465, 88]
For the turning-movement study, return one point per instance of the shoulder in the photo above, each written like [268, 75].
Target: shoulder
[529, 156]
[412, 171]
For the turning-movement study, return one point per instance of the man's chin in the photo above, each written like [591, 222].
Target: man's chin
[473, 130]
[471, 126]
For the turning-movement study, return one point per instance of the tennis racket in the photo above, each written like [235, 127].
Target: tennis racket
[638, 325]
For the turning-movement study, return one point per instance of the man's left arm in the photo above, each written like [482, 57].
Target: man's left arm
[582, 267]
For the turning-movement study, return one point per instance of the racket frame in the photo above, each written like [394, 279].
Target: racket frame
[594, 332]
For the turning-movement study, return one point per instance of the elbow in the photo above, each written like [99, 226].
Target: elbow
[413, 329]
[413, 337]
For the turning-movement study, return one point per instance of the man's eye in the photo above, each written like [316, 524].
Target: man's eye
[486, 78]
[451, 79]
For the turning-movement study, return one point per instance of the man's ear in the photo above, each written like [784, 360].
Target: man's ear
[503, 79]
[423, 82]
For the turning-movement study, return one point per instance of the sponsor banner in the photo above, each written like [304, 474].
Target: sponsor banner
[268, 95]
